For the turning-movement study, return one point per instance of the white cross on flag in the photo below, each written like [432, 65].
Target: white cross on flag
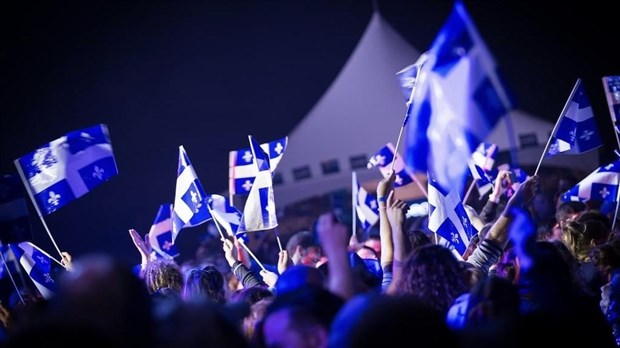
[601, 185]
[242, 170]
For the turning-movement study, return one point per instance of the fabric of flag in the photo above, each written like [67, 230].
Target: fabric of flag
[38, 265]
[408, 75]
[611, 85]
[366, 205]
[576, 131]
[242, 170]
[481, 167]
[383, 160]
[160, 234]
[68, 167]
[227, 216]
[600, 185]
[14, 216]
[448, 218]
[189, 199]
[458, 100]
[259, 212]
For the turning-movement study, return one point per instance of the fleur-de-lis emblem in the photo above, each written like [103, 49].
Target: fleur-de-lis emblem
[278, 149]
[54, 198]
[98, 172]
[454, 237]
[247, 157]
[572, 135]
[42, 260]
[167, 245]
[553, 148]
[586, 134]
[465, 222]
[48, 278]
[380, 159]
[604, 192]
[247, 185]
[195, 200]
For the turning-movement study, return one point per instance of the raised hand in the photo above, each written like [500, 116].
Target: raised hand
[230, 251]
[284, 261]
[143, 245]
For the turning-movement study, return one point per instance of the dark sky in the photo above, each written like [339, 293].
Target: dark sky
[205, 74]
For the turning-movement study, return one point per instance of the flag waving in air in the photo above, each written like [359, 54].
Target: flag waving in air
[458, 100]
[225, 214]
[575, 131]
[68, 167]
[601, 184]
[38, 265]
[366, 205]
[190, 207]
[448, 217]
[242, 169]
[160, 234]
[259, 212]
[383, 160]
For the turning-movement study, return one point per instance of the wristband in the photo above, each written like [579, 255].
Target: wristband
[381, 199]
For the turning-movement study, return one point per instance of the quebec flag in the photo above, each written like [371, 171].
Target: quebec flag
[383, 160]
[259, 212]
[242, 170]
[366, 205]
[481, 167]
[68, 167]
[600, 185]
[448, 218]
[38, 265]
[225, 214]
[576, 131]
[190, 208]
[160, 234]
[459, 98]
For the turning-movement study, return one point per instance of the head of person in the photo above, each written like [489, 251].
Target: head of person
[206, 283]
[300, 318]
[163, 273]
[303, 248]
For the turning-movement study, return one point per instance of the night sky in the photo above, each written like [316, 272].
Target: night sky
[205, 74]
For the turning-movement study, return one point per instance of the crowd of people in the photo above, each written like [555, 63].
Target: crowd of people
[528, 277]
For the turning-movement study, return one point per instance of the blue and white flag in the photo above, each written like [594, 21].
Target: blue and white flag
[259, 212]
[448, 217]
[383, 160]
[611, 85]
[227, 216]
[600, 185]
[38, 264]
[458, 100]
[14, 215]
[365, 205]
[481, 167]
[68, 167]
[242, 170]
[160, 234]
[190, 207]
[576, 131]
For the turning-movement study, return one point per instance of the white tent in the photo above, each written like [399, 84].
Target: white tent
[363, 110]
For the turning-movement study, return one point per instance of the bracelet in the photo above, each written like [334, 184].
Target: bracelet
[381, 199]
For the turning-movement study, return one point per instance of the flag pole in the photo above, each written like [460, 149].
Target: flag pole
[610, 103]
[6, 266]
[275, 229]
[557, 123]
[354, 203]
[613, 224]
[36, 206]
[251, 254]
[215, 222]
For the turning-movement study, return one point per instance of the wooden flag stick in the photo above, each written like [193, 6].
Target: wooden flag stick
[278, 238]
[251, 254]
[215, 221]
